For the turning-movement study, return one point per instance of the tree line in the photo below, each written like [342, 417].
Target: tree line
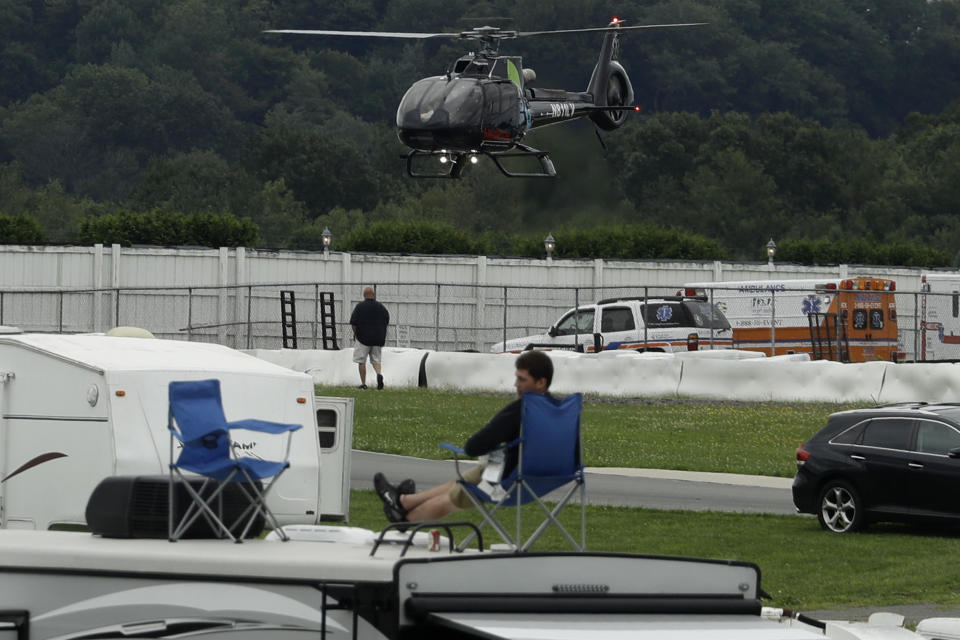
[828, 126]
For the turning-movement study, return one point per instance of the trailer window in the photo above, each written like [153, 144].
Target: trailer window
[876, 318]
[327, 431]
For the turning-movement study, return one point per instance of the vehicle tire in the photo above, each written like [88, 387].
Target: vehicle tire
[840, 508]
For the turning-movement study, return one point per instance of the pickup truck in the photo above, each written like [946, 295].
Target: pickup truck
[665, 323]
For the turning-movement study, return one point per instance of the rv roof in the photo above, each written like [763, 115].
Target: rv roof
[138, 354]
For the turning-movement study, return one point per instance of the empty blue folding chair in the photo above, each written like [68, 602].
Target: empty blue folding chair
[196, 420]
[549, 458]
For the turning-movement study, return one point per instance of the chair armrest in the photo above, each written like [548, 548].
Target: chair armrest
[264, 426]
[512, 443]
[216, 434]
[457, 451]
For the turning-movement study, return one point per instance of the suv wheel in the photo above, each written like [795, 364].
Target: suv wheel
[841, 509]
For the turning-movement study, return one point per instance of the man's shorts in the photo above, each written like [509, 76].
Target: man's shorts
[457, 494]
[361, 351]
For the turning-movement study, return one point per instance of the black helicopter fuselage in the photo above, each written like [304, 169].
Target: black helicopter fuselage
[485, 104]
[462, 113]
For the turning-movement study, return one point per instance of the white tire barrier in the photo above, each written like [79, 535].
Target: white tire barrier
[789, 378]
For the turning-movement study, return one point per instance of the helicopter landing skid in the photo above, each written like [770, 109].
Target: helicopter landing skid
[454, 163]
[547, 169]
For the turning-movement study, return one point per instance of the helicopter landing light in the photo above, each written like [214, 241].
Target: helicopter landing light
[615, 20]
[444, 159]
[473, 160]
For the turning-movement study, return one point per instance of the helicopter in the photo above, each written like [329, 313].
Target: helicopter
[485, 104]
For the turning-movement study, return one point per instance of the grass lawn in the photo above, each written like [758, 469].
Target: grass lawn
[801, 566]
[756, 439]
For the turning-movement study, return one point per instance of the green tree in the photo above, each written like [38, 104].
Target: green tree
[19, 230]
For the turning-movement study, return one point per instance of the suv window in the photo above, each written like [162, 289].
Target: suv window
[705, 315]
[850, 436]
[616, 319]
[666, 314]
[936, 437]
[889, 433]
[575, 322]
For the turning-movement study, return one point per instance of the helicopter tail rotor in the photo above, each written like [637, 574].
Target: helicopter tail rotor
[610, 85]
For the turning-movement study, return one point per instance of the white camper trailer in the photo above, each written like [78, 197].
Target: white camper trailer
[75, 409]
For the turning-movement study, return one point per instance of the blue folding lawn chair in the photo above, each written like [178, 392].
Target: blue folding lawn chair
[196, 420]
[549, 458]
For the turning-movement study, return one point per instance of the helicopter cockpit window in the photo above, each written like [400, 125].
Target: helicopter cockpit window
[428, 103]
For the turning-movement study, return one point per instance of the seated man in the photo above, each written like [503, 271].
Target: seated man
[534, 373]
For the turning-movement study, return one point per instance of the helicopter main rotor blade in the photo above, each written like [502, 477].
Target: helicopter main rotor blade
[365, 34]
[602, 29]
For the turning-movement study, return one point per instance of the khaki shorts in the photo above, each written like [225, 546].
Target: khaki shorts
[457, 494]
[361, 351]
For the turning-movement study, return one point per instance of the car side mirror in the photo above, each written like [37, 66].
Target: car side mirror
[954, 453]
[552, 332]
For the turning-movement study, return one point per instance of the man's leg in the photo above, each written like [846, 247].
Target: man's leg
[434, 508]
[375, 359]
[363, 373]
[411, 501]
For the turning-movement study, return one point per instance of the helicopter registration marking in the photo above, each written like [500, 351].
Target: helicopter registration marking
[562, 109]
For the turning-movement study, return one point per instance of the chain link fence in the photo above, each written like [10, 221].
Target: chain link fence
[447, 317]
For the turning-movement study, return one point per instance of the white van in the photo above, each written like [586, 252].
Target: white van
[664, 323]
[940, 316]
[75, 409]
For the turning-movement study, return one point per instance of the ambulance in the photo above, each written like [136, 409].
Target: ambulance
[847, 320]
[940, 316]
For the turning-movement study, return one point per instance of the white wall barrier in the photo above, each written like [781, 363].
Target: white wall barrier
[630, 374]
[401, 367]
[932, 382]
[781, 380]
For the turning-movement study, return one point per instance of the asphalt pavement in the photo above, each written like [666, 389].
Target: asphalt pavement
[649, 488]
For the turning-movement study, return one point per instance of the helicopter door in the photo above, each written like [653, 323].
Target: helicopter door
[503, 118]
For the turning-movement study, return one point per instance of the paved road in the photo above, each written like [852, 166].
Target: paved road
[651, 488]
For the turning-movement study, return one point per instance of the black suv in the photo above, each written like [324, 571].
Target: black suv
[890, 463]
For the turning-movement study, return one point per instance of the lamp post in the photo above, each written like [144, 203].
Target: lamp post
[549, 244]
[326, 237]
[771, 250]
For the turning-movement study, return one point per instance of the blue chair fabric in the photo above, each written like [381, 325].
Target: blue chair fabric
[197, 421]
[549, 458]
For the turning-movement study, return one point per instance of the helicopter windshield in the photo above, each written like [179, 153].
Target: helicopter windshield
[441, 103]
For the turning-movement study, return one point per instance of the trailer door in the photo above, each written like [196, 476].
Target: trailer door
[4, 448]
[335, 435]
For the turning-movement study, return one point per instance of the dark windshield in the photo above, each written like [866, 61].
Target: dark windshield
[434, 103]
[706, 316]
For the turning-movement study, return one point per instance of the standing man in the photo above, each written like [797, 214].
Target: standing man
[369, 322]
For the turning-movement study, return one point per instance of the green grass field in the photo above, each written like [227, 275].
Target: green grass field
[756, 439]
[801, 565]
